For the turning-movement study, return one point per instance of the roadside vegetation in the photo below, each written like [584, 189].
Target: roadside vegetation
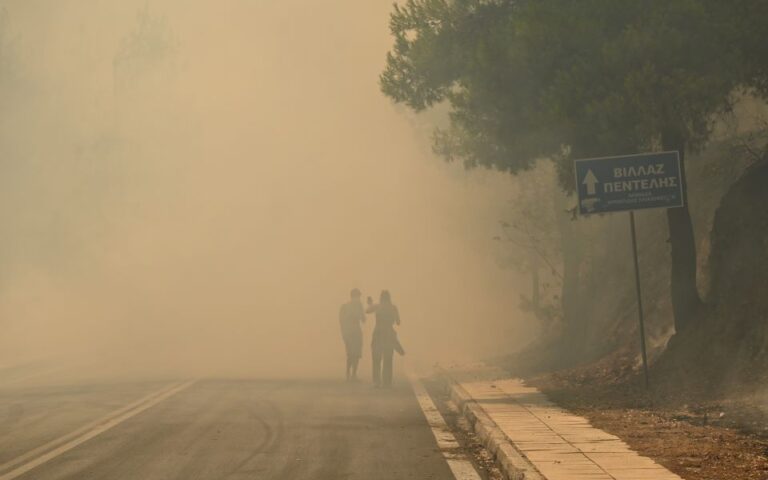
[529, 87]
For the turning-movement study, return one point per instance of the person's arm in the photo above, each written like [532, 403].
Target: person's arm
[371, 306]
[397, 315]
[361, 314]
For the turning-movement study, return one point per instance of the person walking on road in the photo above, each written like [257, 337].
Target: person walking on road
[351, 316]
[384, 341]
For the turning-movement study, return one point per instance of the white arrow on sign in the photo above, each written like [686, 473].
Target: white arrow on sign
[590, 180]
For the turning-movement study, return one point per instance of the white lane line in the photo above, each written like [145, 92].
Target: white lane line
[458, 462]
[53, 449]
[80, 431]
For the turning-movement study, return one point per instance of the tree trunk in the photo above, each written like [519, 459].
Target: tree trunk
[575, 326]
[686, 302]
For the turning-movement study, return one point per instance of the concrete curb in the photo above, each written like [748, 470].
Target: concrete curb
[513, 464]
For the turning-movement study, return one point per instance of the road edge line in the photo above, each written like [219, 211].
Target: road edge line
[513, 463]
[459, 463]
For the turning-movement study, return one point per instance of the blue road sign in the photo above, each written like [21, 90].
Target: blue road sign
[629, 182]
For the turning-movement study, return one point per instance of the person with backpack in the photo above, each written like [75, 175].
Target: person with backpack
[384, 342]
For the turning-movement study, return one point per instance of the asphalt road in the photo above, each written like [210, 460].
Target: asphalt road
[216, 429]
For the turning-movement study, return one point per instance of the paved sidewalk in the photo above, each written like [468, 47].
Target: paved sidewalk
[560, 445]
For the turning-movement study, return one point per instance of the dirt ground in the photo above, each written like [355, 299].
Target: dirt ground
[695, 433]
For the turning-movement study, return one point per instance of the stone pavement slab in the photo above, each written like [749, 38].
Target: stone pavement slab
[559, 444]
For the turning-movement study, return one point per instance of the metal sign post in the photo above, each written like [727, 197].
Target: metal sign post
[629, 183]
[639, 297]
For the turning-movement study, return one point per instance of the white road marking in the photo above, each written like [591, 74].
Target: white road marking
[53, 449]
[458, 462]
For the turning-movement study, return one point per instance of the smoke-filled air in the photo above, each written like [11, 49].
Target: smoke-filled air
[383, 239]
[197, 186]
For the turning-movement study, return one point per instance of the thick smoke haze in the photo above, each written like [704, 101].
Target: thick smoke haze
[195, 186]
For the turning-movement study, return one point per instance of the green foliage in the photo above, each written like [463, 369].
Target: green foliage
[527, 79]
[463, 52]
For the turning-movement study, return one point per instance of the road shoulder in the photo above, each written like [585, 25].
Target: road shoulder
[532, 438]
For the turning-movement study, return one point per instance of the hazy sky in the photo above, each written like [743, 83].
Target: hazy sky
[202, 193]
